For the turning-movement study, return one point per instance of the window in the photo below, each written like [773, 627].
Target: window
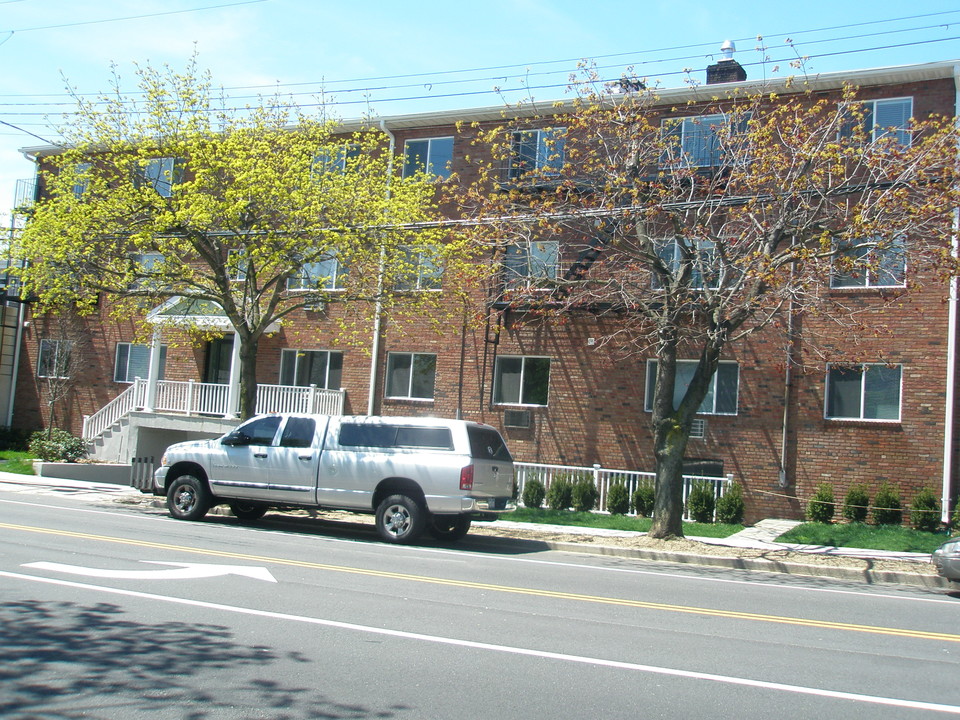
[146, 265]
[875, 263]
[864, 392]
[133, 361]
[391, 436]
[486, 444]
[326, 274]
[82, 179]
[430, 155]
[704, 272]
[53, 360]
[697, 141]
[411, 375]
[161, 174]
[298, 432]
[536, 150]
[521, 380]
[260, 431]
[882, 118]
[334, 159]
[238, 264]
[419, 271]
[531, 263]
[304, 368]
[721, 398]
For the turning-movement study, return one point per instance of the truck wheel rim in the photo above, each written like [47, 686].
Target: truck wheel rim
[397, 520]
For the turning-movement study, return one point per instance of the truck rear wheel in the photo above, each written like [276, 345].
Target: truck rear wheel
[247, 510]
[448, 528]
[188, 498]
[400, 519]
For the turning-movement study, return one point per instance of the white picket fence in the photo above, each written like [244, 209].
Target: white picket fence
[603, 478]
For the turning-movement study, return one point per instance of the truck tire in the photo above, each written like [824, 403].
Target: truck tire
[188, 498]
[448, 528]
[400, 519]
[247, 510]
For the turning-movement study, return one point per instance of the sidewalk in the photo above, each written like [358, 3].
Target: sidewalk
[760, 537]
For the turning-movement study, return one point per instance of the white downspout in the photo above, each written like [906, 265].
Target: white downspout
[378, 308]
[949, 415]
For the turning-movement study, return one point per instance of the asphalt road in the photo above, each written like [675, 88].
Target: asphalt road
[120, 612]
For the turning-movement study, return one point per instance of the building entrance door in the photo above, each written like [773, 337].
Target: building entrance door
[219, 354]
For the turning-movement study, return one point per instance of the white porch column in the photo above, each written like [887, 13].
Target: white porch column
[233, 391]
[153, 370]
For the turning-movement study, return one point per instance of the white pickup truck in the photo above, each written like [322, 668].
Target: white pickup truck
[413, 474]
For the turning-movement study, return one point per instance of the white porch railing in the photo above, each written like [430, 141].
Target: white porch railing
[603, 478]
[196, 398]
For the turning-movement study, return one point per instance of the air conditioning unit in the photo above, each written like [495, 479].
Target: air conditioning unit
[315, 307]
[516, 418]
[698, 429]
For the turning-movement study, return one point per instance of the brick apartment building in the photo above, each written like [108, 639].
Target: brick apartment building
[557, 395]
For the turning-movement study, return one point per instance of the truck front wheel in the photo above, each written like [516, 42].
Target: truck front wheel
[400, 519]
[188, 498]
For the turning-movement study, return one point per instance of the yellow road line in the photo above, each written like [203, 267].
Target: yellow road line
[622, 602]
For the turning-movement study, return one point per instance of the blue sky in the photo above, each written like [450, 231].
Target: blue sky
[407, 57]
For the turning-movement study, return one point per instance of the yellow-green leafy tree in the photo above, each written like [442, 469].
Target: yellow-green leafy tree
[694, 226]
[251, 212]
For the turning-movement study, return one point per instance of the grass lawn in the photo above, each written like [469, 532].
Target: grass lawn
[611, 522]
[895, 538]
[16, 461]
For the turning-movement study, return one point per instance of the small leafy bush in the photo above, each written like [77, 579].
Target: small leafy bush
[701, 502]
[925, 511]
[821, 506]
[56, 445]
[643, 499]
[887, 510]
[730, 505]
[585, 495]
[12, 438]
[618, 499]
[534, 492]
[856, 504]
[560, 494]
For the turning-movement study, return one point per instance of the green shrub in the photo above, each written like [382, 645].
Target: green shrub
[56, 445]
[560, 494]
[856, 504]
[925, 511]
[887, 508]
[12, 438]
[730, 505]
[618, 499]
[702, 501]
[820, 508]
[585, 495]
[955, 518]
[534, 492]
[643, 499]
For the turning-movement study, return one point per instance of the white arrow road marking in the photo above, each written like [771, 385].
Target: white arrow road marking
[182, 571]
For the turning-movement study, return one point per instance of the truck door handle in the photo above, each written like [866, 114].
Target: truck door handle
[305, 457]
[259, 455]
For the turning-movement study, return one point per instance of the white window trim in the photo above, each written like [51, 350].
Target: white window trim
[648, 397]
[422, 259]
[846, 419]
[303, 276]
[523, 371]
[130, 346]
[873, 113]
[408, 396]
[444, 172]
[544, 159]
[528, 282]
[869, 272]
[668, 124]
[41, 354]
[298, 352]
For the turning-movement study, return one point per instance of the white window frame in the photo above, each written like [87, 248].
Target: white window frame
[330, 269]
[237, 264]
[525, 360]
[161, 173]
[82, 180]
[333, 159]
[671, 253]
[127, 349]
[43, 351]
[424, 273]
[863, 369]
[689, 367]
[549, 155]
[531, 263]
[394, 393]
[298, 354]
[438, 160]
[695, 130]
[877, 130]
[868, 273]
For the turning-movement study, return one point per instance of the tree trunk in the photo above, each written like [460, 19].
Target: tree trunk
[248, 375]
[670, 445]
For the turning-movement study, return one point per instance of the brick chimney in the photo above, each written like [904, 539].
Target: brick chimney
[727, 69]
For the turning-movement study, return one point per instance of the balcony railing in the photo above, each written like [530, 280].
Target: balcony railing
[197, 398]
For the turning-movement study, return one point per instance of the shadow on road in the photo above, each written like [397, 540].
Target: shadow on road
[67, 660]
